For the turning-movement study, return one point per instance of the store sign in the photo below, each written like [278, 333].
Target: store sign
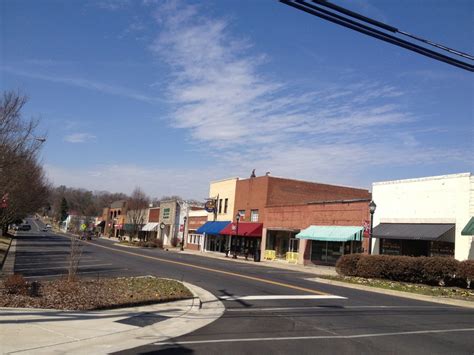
[210, 206]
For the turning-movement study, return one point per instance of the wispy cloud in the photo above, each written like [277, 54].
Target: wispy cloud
[86, 84]
[112, 5]
[79, 137]
[221, 97]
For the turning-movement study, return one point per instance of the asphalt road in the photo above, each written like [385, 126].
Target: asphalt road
[267, 310]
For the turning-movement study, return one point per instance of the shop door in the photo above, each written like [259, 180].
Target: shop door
[293, 245]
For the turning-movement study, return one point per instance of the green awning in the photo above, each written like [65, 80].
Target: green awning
[469, 228]
[332, 233]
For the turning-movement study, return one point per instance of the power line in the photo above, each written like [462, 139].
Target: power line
[347, 22]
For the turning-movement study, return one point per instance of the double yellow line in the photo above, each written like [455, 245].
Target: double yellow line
[228, 273]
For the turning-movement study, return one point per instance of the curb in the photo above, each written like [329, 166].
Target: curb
[413, 296]
[275, 265]
[9, 261]
[196, 313]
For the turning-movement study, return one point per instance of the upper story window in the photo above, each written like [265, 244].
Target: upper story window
[253, 215]
[242, 214]
[119, 212]
[220, 206]
[226, 203]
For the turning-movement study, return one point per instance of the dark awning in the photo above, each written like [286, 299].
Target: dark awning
[414, 231]
[469, 228]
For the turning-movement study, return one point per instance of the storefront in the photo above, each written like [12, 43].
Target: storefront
[150, 230]
[416, 239]
[281, 242]
[244, 238]
[213, 239]
[329, 243]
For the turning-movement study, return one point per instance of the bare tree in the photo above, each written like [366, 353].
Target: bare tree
[137, 206]
[75, 254]
[21, 176]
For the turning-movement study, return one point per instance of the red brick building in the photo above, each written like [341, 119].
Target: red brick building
[196, 218]
[284, 207]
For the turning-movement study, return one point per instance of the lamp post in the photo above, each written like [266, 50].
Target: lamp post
[184, 232]
[372, 207]
[237, 217]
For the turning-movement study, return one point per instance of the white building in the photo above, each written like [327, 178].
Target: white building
[424, 216]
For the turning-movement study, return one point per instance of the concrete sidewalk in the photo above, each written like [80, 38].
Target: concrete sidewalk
[37, 331]
[278, 264]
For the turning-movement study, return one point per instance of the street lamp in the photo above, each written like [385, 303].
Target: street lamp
[184, 231]
[237, 217]
[372, 207]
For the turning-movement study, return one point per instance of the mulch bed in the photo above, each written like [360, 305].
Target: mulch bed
[90, 294]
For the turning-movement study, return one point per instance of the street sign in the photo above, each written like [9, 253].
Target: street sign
[83, 227]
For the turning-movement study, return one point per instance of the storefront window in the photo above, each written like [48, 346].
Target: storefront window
[326, 252]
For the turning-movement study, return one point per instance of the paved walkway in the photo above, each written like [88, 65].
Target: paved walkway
[36, 331]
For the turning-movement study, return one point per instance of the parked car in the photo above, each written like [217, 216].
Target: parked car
[48, 226]
[25, 227]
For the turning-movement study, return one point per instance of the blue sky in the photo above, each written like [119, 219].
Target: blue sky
[168, 95]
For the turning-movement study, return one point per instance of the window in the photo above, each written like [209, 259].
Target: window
[226, 202]
[119, 212]
[220, 206]
[166, 213]
[242, 214]
[253, 215]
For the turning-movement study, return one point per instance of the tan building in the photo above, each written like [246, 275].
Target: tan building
[223, 191]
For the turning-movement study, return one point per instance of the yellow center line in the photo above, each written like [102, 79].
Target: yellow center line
[253, 278]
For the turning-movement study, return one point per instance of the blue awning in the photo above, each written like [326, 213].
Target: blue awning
[332, 233]
[213, 227]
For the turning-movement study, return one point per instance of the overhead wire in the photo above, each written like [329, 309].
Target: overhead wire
[390, 28]
[370, 31]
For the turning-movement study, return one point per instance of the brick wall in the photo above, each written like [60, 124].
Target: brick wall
[251, 194]
[330, 214]
[261, 192]
[154, 215]
[196, 222]
[286, 191]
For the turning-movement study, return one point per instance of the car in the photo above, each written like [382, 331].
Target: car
[48, 226]
[44, 229]
[25, 227]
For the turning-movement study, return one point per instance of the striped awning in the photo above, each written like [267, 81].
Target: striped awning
[332, 233]
[150, 227]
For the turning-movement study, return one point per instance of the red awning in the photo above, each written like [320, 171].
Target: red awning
[245, 229]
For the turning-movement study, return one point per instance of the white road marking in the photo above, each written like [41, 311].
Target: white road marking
[355, 336]
[59, 267]
[270, 309]
[80, 272]
[54, 262]
[280, 297]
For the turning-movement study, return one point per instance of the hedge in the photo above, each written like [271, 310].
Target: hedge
[427, 270]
